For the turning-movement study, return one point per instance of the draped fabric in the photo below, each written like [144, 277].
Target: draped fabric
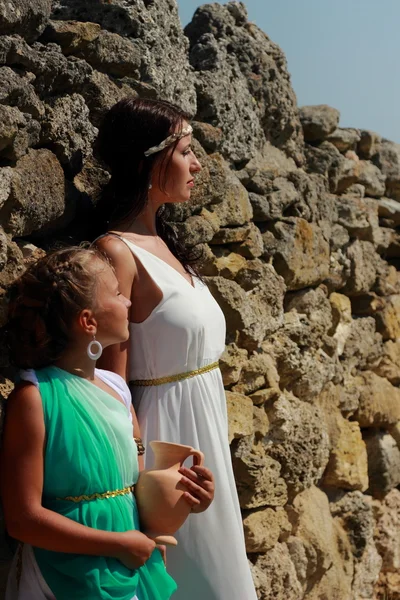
[90, 449]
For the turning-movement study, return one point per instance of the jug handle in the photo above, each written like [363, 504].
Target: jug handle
[198, 457]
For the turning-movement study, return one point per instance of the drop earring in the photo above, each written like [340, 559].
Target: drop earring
[150, 186]
[94, 349]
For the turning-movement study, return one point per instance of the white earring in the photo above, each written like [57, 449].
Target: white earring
[150, 186]
[94, 349]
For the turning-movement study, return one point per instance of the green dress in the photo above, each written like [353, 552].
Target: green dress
[90, 450]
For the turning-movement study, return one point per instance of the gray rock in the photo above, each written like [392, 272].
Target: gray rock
[344, 138]
[17, 91]
[113, 54]
[275, 576]
[273, 205]
[17, 132]
[209, 137]
[195, 230]
[318, 121]
[327, 161]
[261, 103]
[101, 93]
[54, 72]
[354, 513]
[37, 193]
[364, 263]
[67, 130]
[372, 179]
[257, 476]
[27, 18]
[387, 158]
[383, 463]
[387, 515]
[298, 440]
[368, 144]
[153, 29]
[360, 217]
[6, 175]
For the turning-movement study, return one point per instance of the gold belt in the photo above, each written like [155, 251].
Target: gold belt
[178, 377]
[97, 496]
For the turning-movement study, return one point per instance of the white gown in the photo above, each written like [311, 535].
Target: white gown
[185, 332]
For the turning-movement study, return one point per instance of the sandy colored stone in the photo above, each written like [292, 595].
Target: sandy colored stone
[348, 462]
[231, 363]
[256, 372]
[302, 254]
[341, 319]
[379, 402]
[240, 415]
[325, 568]
[344, 138]
[262, 528]
[37, 193]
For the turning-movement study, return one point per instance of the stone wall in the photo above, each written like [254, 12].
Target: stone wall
[297, 219]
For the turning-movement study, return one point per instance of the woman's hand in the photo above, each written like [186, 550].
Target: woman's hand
[199, 482]
[136, 549]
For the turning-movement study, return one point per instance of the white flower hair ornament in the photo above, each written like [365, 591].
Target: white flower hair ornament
[169, 140]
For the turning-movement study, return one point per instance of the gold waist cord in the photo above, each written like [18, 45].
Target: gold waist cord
[99, 496]
[173, 378]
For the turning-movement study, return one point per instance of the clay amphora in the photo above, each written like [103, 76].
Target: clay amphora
[158, 492]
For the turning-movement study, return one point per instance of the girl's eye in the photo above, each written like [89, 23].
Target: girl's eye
[186, 152]
[119, 293]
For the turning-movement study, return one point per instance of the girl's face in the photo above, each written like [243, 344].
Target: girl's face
[182, 169]
[111, 310]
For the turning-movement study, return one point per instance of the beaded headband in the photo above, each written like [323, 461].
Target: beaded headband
[169, 140]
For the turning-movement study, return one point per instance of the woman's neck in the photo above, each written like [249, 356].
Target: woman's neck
[144, 223]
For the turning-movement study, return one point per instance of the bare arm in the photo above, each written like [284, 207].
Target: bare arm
[21, 485]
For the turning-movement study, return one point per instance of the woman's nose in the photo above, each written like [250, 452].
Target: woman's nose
[195, 166]
[128, 303]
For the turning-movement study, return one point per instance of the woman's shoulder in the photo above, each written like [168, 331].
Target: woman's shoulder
[116, 249]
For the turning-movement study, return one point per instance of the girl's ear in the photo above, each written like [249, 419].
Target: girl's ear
[87, 321]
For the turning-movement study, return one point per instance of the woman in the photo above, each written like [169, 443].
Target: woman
[177, 332]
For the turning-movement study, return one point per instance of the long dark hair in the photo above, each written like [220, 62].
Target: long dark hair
[129, 128]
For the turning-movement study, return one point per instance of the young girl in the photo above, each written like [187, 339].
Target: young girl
[69, 460]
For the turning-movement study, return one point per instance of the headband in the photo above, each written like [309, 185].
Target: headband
[169, 140]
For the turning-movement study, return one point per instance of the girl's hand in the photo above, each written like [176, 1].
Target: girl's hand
[200, 484]
[136, 549]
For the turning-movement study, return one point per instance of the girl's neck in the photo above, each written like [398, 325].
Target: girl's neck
[80, 365]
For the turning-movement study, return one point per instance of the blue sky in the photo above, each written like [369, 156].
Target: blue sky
[345, 53]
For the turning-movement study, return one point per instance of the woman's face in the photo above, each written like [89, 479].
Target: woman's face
[180, 176]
